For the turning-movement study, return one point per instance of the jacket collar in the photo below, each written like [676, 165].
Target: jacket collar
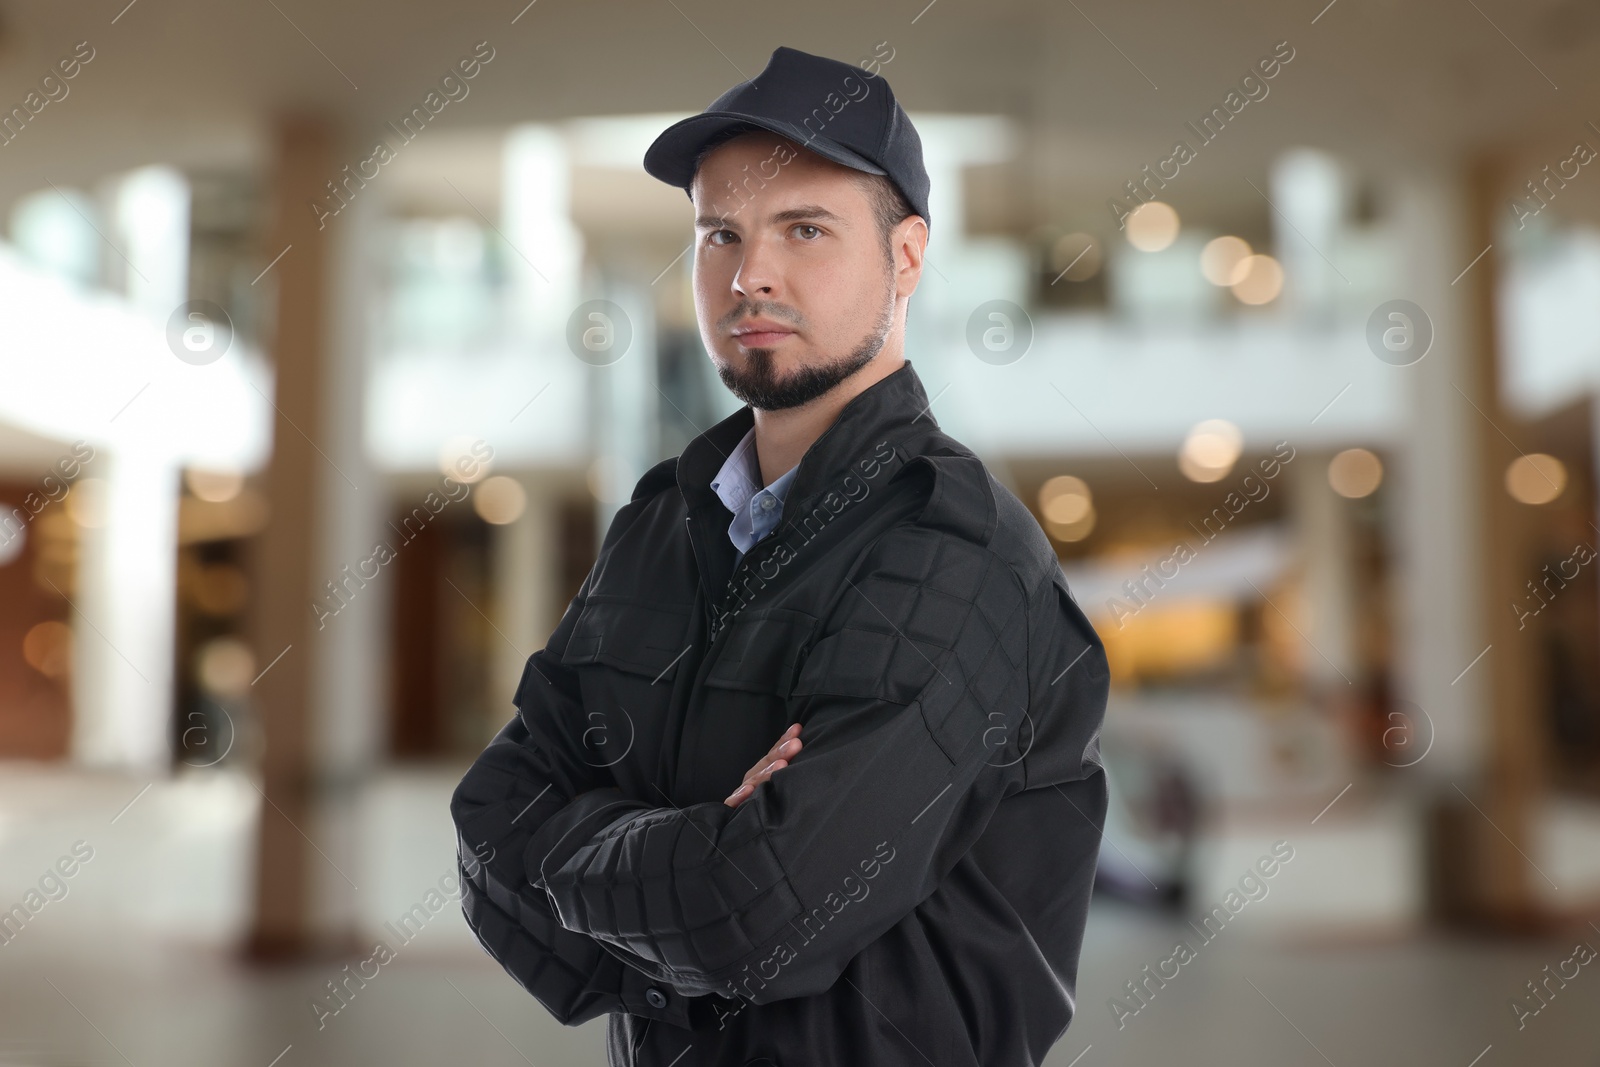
[882, 410]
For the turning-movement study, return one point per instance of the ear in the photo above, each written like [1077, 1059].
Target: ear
[908, 244]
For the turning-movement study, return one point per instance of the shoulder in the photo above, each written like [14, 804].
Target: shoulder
[656, 505]
[662, 476]
[966, 508]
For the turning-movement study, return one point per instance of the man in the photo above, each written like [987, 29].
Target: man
[808, 774]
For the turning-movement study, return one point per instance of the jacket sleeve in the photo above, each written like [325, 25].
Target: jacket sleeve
[531, 770]
[915, 676]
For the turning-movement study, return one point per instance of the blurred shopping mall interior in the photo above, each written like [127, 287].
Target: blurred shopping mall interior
[331, 338]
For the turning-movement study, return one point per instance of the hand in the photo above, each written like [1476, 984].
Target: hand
[776, 759]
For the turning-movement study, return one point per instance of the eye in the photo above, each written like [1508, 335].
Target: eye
[711, 238]
[808, 226]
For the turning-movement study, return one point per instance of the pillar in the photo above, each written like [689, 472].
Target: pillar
[1457, 558]
[1322, 528]
[526, 560]
[1511, 784]
[123, 628]
[304, 490]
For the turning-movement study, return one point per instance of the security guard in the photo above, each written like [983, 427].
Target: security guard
[808, 773]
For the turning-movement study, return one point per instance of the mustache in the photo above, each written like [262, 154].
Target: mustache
[747, 309]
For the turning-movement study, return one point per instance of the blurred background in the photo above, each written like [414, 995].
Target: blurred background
[331, 337]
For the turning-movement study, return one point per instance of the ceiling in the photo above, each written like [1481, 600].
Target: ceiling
[1100, 89]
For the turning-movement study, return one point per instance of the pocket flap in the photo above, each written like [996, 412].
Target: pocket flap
[642, 638]
[761, 650]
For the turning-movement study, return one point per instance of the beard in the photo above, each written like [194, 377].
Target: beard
[757, 383]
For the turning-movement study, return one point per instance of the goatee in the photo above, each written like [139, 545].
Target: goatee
[757, 383]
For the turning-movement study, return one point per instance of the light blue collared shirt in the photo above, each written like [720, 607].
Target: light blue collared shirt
[756, 509]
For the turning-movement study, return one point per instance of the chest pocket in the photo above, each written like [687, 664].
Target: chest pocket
[761, 650]
[626, 654]
[632, 636]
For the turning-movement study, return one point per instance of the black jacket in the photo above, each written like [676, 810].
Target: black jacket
[912, 888]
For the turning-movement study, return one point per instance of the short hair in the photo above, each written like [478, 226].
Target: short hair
[889, 204]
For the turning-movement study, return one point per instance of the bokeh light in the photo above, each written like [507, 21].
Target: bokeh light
[1222, 260]
[225, 667]
[1152, 227]
[1260, 280]
[500, 500]
[1210, 450]
[1355, 473]
[1536, 479]
[214, 486]
[1068, 507]
[47, 648]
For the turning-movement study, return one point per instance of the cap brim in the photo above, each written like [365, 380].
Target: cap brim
[671, 155]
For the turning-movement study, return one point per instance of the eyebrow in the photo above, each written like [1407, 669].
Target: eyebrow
[794, 214]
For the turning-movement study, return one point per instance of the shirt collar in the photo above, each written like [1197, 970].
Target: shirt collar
[740, 475]
[739, 478]
[887, 409]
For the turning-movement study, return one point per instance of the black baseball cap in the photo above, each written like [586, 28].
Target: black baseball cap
[841, 112]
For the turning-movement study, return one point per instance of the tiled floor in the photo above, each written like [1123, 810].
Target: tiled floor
[1238, 1002]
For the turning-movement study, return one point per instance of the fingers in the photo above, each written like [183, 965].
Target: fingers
[791, 735]
[776, 759]
[756, 777]
[785, 749]
[744, 792]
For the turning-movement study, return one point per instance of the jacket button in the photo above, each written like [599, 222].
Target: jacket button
[655, 997]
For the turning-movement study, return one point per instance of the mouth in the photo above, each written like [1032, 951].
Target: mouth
[758, 332]
[761, 338]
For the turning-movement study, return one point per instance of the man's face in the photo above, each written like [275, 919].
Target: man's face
[786, 245]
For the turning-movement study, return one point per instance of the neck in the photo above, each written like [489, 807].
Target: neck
[782, 437]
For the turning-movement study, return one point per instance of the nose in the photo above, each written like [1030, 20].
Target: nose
[757, 275]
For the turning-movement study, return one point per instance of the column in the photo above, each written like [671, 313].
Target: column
[1458, 557]
[126, 597]
[123, 628]
[1514, 684]
[1322, 529]
[526, 563]
[288, 561]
